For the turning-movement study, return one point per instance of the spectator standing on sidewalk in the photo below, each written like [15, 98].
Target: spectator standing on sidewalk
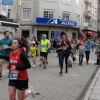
[88, 44]
[81, 53]
[65, 52]
[6, 48]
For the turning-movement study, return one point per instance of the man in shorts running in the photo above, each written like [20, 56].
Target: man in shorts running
[6, 45]
[45, 45]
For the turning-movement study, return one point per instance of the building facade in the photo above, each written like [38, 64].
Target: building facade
[6, 24]
[98, 25]
[50, 17]
[90, 9]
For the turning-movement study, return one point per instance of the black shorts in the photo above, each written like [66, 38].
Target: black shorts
[4, 57]
[19, 84]
[44, 54]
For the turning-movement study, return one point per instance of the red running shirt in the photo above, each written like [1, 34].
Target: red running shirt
[16, 61]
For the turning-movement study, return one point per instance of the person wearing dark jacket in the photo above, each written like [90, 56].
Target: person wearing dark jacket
[65, 51]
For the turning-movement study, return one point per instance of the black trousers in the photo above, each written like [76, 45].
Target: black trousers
[87, 53]
[61, 60]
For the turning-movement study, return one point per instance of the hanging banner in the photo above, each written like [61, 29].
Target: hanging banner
[7, 2]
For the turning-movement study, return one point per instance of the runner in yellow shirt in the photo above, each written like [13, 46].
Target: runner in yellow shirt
[33, 50]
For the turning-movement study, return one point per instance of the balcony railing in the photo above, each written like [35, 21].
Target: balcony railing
[6, 19]
[87, 1]
[87, 14]
[3, 10]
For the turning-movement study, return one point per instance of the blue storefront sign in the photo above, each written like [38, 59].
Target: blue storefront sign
[7, 2]
[57, 34]
[56, 21]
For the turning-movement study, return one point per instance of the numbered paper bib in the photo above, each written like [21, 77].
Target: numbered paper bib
[33, 52]
[3, 46]
[13, 75]
[64, 48]
[44, 46]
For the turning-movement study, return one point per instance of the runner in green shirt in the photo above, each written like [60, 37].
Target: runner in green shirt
[45, 45]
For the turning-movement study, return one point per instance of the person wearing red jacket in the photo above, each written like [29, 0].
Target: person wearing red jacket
[18, 77]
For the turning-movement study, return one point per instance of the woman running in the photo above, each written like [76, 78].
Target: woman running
[18, 78]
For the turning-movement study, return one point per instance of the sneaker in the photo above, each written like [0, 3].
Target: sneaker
[33, 93]
[40, 65]
[47, 62]
[60, 73]
[34, 66]
[44, 67]
[87, 62]
[0, 77]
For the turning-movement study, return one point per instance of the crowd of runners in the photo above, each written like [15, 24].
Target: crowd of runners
[16, 52]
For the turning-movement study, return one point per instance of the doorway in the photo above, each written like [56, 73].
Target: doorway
[25, 33]
[74, 35]
[39, 34]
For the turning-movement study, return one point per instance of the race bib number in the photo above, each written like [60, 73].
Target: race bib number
[13, 75]
[3, 46]
[44, 46]
[33, 52]
[64, 48]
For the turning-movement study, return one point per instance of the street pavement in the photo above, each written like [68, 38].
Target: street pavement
[52, 86]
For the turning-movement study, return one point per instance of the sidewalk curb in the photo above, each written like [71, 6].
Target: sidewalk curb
[88, 86]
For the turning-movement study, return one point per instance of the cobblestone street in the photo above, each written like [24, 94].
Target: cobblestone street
[50, 84]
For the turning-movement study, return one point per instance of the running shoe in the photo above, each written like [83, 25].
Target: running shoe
[0, 77]
[33, 93]
[44, 67]
[40, 65]
[34, 66]
[47, 62]
[60, 73]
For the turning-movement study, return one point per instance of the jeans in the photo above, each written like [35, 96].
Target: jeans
[61, 59]
[87, 53]
[81, 58]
